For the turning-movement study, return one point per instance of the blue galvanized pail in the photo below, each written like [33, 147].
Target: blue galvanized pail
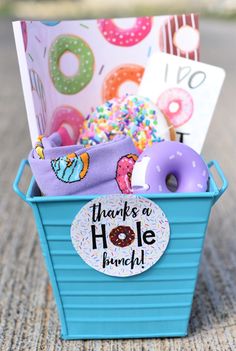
[156, 303]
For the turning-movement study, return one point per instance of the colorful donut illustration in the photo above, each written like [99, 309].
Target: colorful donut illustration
[122, 236]
[24, 33]
[180, 36]
[65, 84]
[50, 23]
[117, 77]
[124, 171]
[125, 37]
[71, 168]
[67, 116]
[177, 105]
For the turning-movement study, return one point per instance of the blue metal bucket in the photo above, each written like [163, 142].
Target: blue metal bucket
[156, 303]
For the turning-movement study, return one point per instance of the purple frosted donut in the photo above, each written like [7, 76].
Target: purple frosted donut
[166, 158]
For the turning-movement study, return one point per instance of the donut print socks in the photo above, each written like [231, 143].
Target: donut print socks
[126, 146]
[124, 171]
[70, 170]
[161, 160]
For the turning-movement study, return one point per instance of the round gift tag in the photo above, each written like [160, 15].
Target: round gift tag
[120, 235]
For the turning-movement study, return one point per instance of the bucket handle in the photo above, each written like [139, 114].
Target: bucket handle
[25, 163]
[222, 178]
[16, 182]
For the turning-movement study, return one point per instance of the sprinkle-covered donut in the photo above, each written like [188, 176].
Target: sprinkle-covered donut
[71, 84]
[132, 115]
[71, 168]
[124, 171]
[177, 105]
[159, 161]
[125, 37]
[68, 117]
[119, 76]
[122, 236]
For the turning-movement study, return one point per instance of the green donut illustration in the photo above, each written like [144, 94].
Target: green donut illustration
[70, 85]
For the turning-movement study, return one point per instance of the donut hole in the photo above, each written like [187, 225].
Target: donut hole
[69, 130]
[171, 182]
[186, 38]
[125, 23]
[69, 64]
[128, 87]
[122, 236]
[174, 106]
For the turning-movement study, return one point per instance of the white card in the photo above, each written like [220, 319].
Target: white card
[186, 91]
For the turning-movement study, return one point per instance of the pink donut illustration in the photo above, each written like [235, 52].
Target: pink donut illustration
[180, 36]
[24, 33]
[68, 117]
[125, 37]
[124, 171]
[177, 105]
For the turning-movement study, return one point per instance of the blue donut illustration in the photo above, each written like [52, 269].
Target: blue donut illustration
[71, 168]
[50, 23]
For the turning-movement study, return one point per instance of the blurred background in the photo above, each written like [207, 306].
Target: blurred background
[28, 318]
[101, 8]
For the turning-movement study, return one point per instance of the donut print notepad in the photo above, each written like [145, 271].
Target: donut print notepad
[186, 91]
[70, 67]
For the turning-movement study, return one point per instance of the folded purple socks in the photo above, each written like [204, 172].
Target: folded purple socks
[105, 168]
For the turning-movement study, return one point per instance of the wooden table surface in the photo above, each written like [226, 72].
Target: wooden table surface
[28, 317]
